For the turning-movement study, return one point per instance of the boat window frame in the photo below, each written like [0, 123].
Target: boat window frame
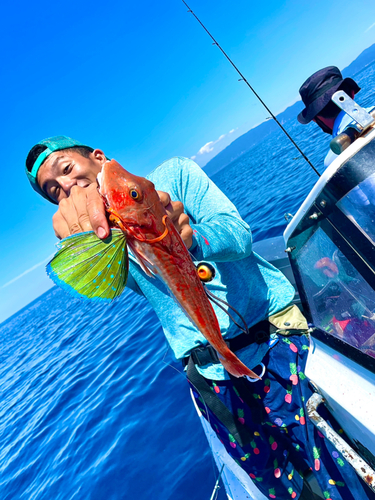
[349, 239]
[348, 176]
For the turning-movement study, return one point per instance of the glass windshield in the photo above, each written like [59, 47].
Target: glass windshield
[359, 206]
[341, 301]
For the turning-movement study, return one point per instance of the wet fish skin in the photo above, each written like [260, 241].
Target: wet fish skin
[135, 205]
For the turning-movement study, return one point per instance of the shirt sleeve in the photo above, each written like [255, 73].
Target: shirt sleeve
[133, 285]
[220, 234]
[331, 156]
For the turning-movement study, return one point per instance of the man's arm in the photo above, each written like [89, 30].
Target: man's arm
[220, 234]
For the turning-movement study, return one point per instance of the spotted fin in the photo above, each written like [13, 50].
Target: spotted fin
[90, 268]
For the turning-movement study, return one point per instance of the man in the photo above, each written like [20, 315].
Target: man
[316, 93]
[261, 424]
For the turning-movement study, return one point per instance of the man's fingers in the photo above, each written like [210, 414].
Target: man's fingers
[83, 210]
[79, 199]
[60, 226]
[175, 210]
[96, 212]
[164, 198]
[68, 212]
[186, 234]
[182, 224]
[182, 221]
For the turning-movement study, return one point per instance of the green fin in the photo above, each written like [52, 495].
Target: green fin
[90, 268]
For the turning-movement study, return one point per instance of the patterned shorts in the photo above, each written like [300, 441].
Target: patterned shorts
[286, 445]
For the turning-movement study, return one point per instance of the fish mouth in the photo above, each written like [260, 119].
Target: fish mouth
[99, 179]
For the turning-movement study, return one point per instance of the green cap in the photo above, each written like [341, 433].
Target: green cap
[56, 143]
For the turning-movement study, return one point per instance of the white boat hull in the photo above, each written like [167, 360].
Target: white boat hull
[349, 392]
[238, 485]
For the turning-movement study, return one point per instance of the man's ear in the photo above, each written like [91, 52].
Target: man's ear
[99, 156]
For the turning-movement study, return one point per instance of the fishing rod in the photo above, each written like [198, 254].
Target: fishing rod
[251, 88]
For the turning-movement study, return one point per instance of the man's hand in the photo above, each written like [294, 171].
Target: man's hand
[84, 211]
[327, 266]
[175, 211]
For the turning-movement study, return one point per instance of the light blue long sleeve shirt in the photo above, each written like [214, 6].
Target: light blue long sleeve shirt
[243, 279]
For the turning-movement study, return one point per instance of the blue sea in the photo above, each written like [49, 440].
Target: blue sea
[92, 404]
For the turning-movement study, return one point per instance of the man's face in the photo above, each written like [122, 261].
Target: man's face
[326, 124]
[64, 169]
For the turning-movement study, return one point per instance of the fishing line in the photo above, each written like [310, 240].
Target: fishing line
[206, 408]
[251, 88]
[216, 301]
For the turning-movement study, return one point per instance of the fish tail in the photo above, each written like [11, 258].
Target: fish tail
[235, 367]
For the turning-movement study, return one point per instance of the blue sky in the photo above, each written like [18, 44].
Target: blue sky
[142, 81]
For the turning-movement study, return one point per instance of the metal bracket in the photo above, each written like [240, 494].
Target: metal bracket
[354, 110]
[361, 467]
[315, 215]
[288, 216]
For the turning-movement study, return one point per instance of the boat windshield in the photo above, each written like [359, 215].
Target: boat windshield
[359, 206]
[341, 302]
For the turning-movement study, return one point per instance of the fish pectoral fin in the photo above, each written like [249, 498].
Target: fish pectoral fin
[90, 268]
[145, 264]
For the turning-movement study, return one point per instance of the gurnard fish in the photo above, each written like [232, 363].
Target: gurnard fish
[135, 208]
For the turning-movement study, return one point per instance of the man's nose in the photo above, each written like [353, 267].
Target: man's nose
[66, 184]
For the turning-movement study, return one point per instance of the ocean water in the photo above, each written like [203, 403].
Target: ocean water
[92, 405]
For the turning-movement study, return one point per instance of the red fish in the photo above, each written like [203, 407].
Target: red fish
[135, 207]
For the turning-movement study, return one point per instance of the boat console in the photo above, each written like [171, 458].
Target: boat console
[330, 243]
[331, 247]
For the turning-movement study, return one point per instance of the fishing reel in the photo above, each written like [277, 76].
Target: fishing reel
[206, 271]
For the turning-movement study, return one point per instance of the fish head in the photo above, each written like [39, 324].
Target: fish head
[133, 198]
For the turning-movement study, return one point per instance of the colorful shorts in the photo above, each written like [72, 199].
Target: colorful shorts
[286, 445]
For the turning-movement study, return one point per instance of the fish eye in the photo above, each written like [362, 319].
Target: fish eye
[134, 194]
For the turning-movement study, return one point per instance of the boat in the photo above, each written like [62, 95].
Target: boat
[328, 253]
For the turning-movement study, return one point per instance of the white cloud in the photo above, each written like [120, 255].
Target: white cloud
[27, 271]
[209, 146]
[368, 29]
